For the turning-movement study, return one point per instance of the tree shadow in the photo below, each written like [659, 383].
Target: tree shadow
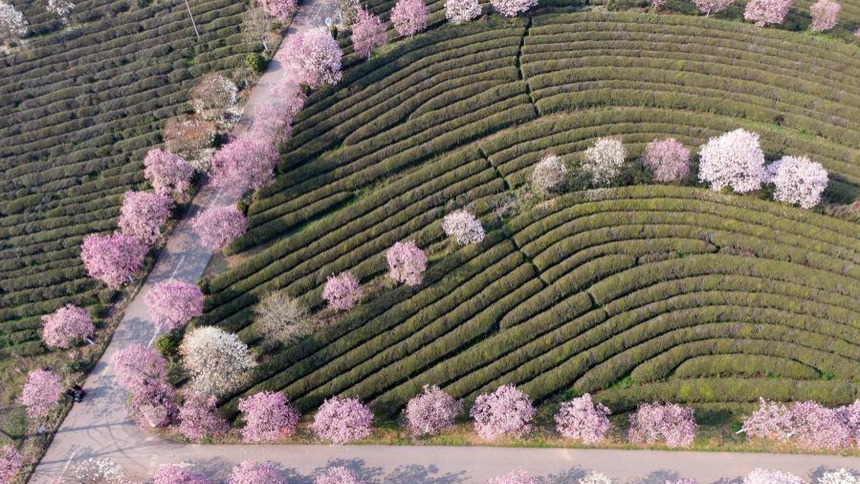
[418, 474]
[571, 475]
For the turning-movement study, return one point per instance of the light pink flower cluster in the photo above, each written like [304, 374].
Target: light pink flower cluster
[143, 214]
[764, 476]
[459, 11]
[463, 226]
[825, 15]
[431, 411]
[708, 7]
[173, 303]
[507, 411]
[342, 291]
[269, 122]
[668, 159]
[154, 405]
[279, 8]
[406, 263]
[268, 417]
[41, 391]
[798, 180]
[512, 8]
[409, 17]
[338, 475]
[809, 425]
[174, 474]
[199, 418]
[10, 463]
[136, 366]
[253, 472]
[548, 176]
[517, 476]
[340, 420]
[113, 259]
[167, 172]
[368, 33]
[65, 326]
[669, 423]
[314, 55]
[734, 160]
[246, 163]
[764, 12]
[581, 419]
[218, 226]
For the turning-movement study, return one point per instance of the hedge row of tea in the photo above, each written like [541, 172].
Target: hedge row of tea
[81, 106]
[586, 290]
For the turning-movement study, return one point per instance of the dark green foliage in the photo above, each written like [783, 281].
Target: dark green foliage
[255, 62]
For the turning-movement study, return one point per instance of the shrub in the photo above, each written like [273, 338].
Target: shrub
[255, 63]
[507, 411]
[431, 412]
[167, 344]
[341, 420]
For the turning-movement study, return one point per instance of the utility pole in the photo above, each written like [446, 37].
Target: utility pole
[192, 19]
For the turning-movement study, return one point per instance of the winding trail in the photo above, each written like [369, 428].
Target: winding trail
[99, 427]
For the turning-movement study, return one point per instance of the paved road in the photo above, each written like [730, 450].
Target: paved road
[99, 426]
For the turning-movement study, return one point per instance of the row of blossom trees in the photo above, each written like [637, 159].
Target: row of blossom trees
[824, 13]
[757, 476]
[808, 425]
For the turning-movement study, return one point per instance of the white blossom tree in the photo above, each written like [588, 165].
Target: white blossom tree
[603, 160]
[216, 360]
[13, 25]
[734, 160]
[798, 180]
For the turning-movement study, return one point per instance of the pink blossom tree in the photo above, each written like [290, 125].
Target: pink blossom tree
[459, 11]
[167, 172]
[281, 9]
[13, 25]
[765, 476]
[667, 159]
[764, 12]
[65, 326]
[850, 417]
[512, 8]
[113, 259]
[809, 425]
[41, 392]
[463, 226]
[253, 472]
[143, 214]
[217, 227]
[669, 423]
[406, 263]
[153, 404]
[507, 411]
[825, 15]
[771, 420]
[409, 17]
[798, 180]
[431, 412]
[10, 463]
[548, 176]
[338, 475]
[174, 474]
[268, 417]
[199, 418]
[172, 304]
[268, 122]
[581, 419]
[734, 160]
[517, 476]
[341, 420]
[342, 291]
[368, 33]
[288, 98]
[708, 7]
[314, 56]
[246, 163]
[137, 366]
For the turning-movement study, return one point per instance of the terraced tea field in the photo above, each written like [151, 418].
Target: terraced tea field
[653, 292]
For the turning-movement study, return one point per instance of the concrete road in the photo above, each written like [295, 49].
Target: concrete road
[99, 427]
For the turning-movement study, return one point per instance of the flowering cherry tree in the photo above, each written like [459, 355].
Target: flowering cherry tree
[595, 478]
[431, 412]
[338, 475]
[217, 227]
[463, 226]
[839, 476]
[798, 180]
[143, 214]
[825, 15]
[406, 263]
[99, 471]
[581, 419]
[253, 472]
[281, 316]
[548, 176]
[246, 163]
[459, 11]
[517, 476]
[667, 159]
[173, 303]
[764, 12]
[10, 463]
[279, 8]
[342, 291]
[341, 420]
[764, 476]
[288, 97]
[368, 33]
[507, 411]
[512, 8]
[137, 367]
[112, 259]
[61, 8]
[669, 423]
[174, 474]
[409, 17]
[41, 391]
[199, 418]
[314, 55]
[216, 360]
[65, 326]
[603, 160]
[153, 405]
[167, 172]
[268, 417]
[213, 97]
[13, 25]
[809, 425]
[734, 160]
[708, 7]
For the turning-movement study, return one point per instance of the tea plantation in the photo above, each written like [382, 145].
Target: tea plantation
[654, 292]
